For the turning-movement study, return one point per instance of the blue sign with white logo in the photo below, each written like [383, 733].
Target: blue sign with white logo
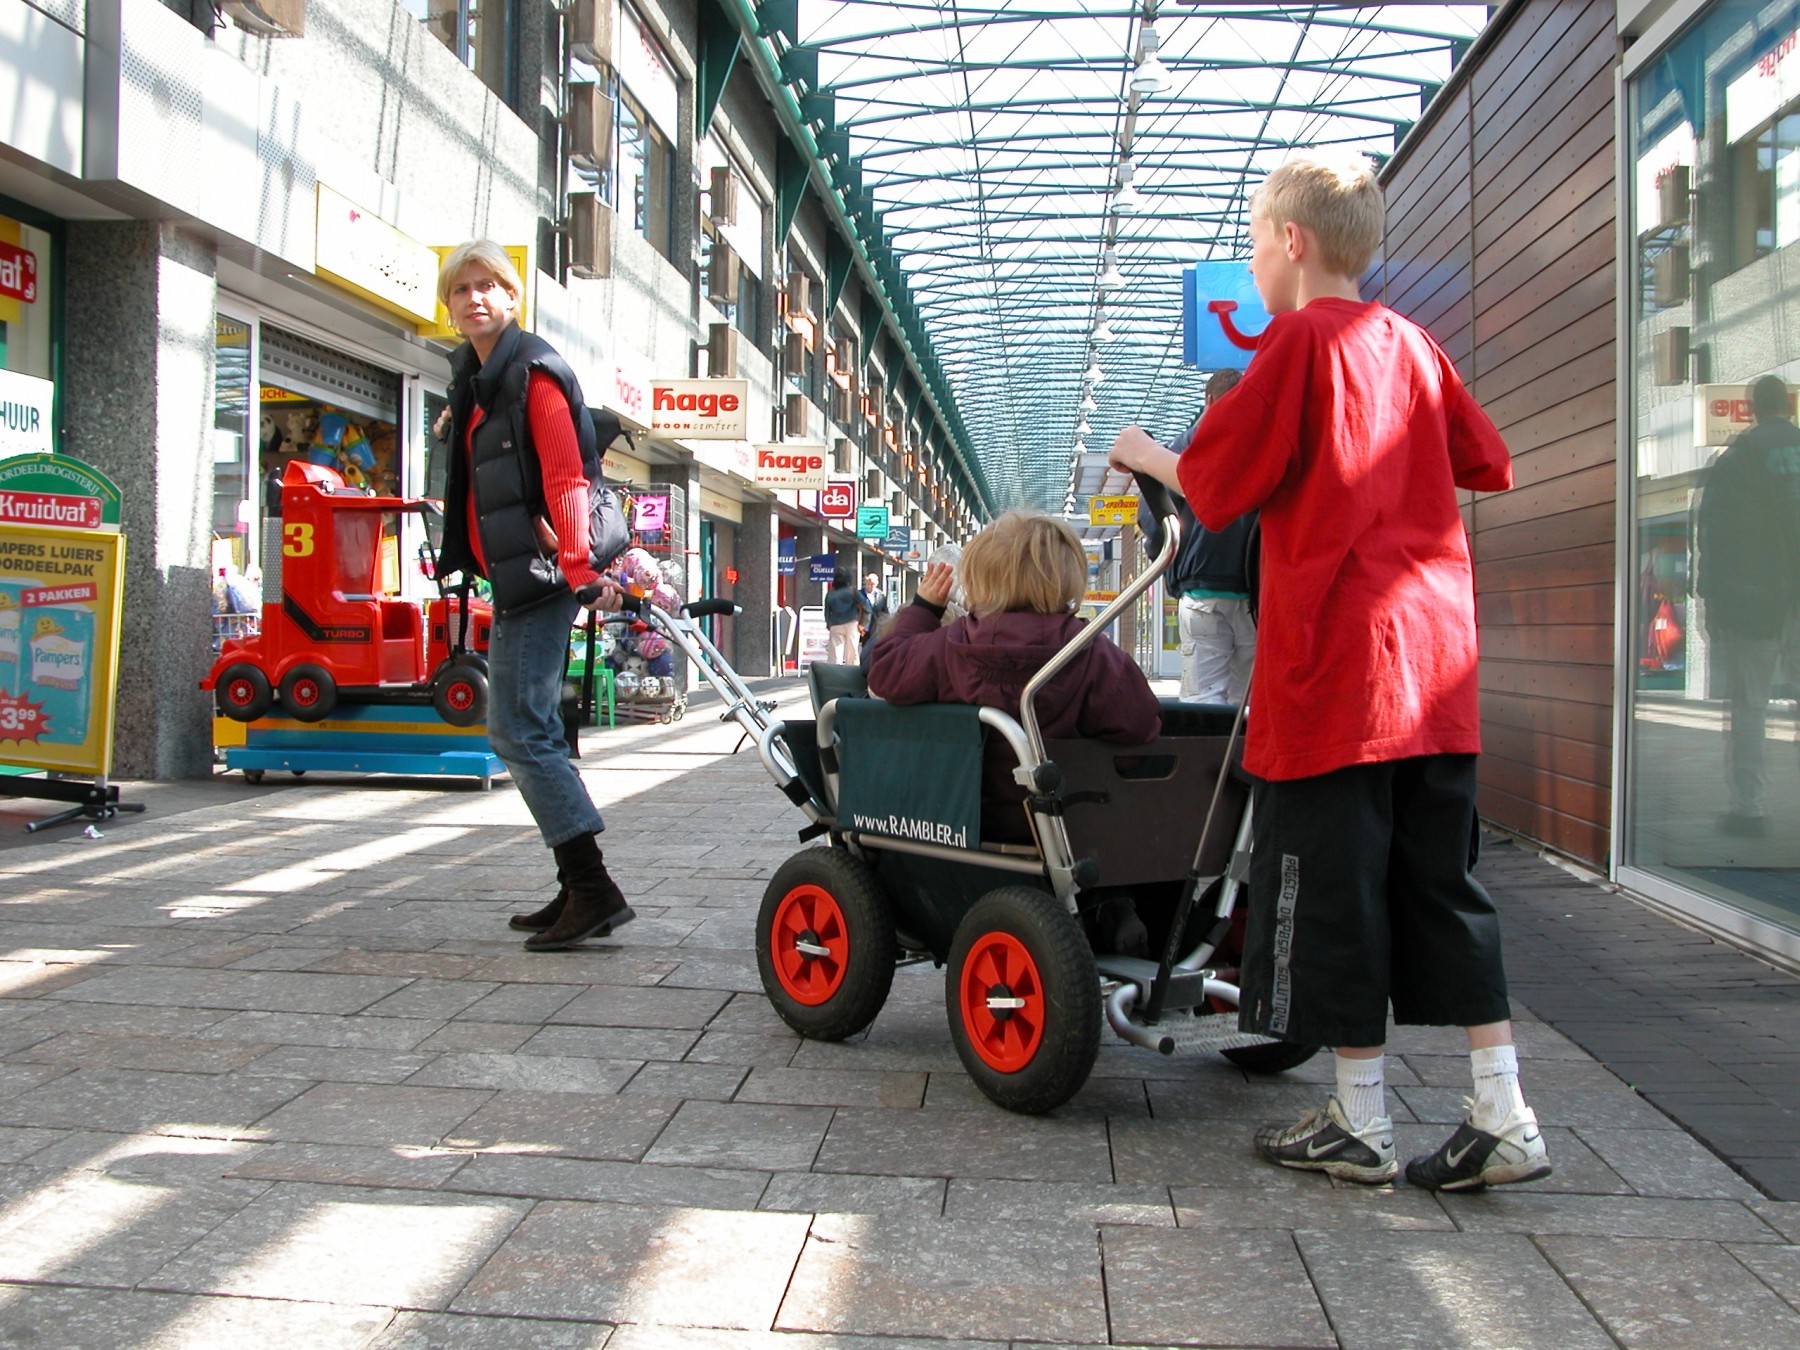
[821, 569]
[899, 539]
[784, 556]
[1221, 315]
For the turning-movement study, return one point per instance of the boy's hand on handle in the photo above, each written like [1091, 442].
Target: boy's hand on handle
[1129, 449]
[934, 586]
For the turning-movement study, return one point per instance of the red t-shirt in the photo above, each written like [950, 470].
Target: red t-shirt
[565, 482]
[1351, 431]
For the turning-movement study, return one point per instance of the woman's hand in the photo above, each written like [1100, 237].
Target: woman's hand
[934, 586]
[602, 594]
[546, 536]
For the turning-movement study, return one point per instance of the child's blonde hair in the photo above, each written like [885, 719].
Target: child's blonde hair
[1024, 560]
[1334, 195]
[482, 253]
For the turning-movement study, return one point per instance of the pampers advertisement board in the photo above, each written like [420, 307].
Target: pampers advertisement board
[62, 571]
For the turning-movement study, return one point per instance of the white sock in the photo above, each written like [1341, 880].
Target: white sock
[1496, 1075]
[1361, 1089]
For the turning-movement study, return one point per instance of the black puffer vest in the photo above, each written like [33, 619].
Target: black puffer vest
[508, 477]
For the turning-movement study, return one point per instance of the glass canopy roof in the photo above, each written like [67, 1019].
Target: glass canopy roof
[995, 139]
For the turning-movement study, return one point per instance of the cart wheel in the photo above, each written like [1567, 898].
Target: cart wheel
[1270, 1056]
[308, 693]
[665, 717]
[825, 943]
[680, 712]
[1024, 999]
[298, 773]
[242, 692]
[253, 775]
[460, 694]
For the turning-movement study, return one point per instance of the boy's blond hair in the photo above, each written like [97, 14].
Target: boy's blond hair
[1024, 560]
[482, 253]
[1334, 195]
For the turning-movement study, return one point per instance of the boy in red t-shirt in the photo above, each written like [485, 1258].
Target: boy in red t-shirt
[1351, 432]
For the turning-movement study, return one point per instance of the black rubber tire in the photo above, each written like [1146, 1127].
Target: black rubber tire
[1270, 1057]
[242, 692]
[459, 694]
[1070, 997]
[867, 933]
[253, 775]
[294, 686]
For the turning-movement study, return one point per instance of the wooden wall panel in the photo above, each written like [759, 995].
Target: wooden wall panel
[1500, 239]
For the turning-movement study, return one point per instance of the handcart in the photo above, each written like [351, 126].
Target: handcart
[905, 874]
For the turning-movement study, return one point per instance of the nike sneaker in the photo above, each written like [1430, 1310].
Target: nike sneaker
[1471, 1159]
[1322, 1141]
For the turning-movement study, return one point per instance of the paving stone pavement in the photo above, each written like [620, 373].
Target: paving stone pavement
[273, 1071]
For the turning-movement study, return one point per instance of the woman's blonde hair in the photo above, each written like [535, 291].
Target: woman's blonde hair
[482, 253]
[1335, 195]
[1024, 560]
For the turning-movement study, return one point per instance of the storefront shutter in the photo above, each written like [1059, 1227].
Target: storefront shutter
[306, 367]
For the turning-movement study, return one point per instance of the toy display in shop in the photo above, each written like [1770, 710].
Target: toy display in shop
[359, 452]
[644, 685]
[331, 637]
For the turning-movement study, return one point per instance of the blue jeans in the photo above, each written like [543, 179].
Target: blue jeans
[526, 654]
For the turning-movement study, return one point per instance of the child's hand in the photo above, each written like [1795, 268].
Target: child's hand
[934, 586]
[1128, 450]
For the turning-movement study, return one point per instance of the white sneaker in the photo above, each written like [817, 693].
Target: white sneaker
[1472, 1158]
[1322, 1141]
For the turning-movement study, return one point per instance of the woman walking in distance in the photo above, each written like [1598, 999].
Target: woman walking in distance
[522, 458]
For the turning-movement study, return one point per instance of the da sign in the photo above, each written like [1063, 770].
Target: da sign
[1221, 315]
[798, 467]
[838, 501]
[700, 410]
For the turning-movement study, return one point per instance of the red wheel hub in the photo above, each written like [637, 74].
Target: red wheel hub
[460, 696]
[306, 693]
[1002, 999]
[239, 692]
[809, 945]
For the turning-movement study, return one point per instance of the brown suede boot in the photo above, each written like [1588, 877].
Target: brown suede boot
[540, 919]
[595, 906]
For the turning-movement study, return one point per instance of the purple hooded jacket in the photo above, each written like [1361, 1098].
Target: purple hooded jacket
[987, 660]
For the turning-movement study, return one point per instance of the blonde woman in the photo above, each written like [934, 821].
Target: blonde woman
[516, 511]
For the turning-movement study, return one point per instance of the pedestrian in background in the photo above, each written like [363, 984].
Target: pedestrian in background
[523, 456]
[843, 620]
[1211, 575]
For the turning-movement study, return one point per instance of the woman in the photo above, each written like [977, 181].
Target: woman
[520, 434]
[843, 619]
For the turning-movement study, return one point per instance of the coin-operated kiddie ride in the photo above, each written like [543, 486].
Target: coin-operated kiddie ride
[344, 675]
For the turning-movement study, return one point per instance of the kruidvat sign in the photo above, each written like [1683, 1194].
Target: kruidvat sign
[796, 467]
[700, 410]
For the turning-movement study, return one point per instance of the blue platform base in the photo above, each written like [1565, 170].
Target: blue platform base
[359, 738]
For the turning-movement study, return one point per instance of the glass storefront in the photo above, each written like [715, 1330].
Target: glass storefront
[1711, 793]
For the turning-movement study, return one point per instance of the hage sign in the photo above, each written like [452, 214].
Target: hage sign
[798, 467]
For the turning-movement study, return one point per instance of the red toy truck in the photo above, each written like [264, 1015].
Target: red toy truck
[331, 635]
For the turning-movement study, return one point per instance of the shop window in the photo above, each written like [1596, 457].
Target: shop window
[646, 177]
[483, 34]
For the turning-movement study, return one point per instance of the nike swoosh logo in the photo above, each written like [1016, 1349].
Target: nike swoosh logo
[1456, 1159]
[1531, 1138]
[1314, 1151]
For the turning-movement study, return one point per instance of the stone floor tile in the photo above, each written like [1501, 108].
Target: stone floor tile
[929, 1053]
[1521, 1211]
[1426, 1291]
[713, 974]
[751, 1012]
[21, 1078]
[617, 1263]
[1324, 1205]
[745, 1048]
[990, 1144]
[609, 967]
[567, 1124]
[635, 1006]
[1190, 1153]
[1578, 1169]
[833, 1087]
[372, 1113]
[523, 1003]
[106, 1319]
[439, 999]
[1012, 1202]
[266, 991]
[907, 1276]
[673, 1338]
[350, 1165]
[167, 1054]
[693, 1082]
[109, 1019]
[368, 1033]
[551, 1178]
[1224, 1095]
[1571, 1108]
[1232, 1288]
[1099, 1099]
[496, 1038]
[400, 1248]
[1781, 1215]
[339, 1064]
[1668, 1163]
[125, 1100]
[1452, 1071]
[443, 967]
[455, 1331]
[19, 1142]
[731, 1134]
[1656, 1295]
[527, 1073]
[611, 1042]
[1777, 1267]
[841, 1193]
[96, 1228]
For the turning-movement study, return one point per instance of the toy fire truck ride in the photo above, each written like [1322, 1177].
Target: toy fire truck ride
[329, 633]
